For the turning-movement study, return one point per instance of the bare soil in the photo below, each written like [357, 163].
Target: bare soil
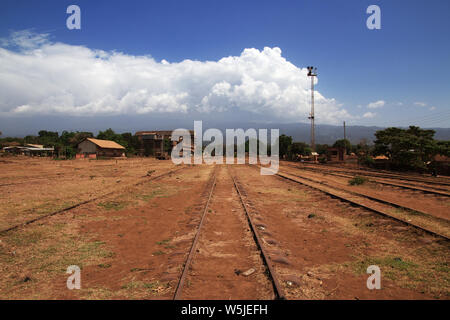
[133, 243]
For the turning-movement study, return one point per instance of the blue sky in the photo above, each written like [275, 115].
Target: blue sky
[406, 64]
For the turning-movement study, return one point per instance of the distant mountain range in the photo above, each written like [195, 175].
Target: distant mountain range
[299, 131]
[329, 134]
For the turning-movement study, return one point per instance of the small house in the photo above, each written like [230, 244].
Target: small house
[93, 148]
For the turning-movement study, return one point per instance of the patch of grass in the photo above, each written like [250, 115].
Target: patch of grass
[158, 253]
[25, 238]
[414, 213]
[94, 249]
[393, 268]
[112, 205]
[154, 287]
[158, 191]
[166, 244]
[282, 195]
[357, 180]
[104, 265]
[132, 285]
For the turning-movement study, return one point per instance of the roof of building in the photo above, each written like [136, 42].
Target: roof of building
[382, 157]
[40, 149]
[105, 144]
[161, 132]
[40, 146]
[14, 147]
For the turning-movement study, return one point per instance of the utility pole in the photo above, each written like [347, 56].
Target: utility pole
[312, 72]
[345, 134]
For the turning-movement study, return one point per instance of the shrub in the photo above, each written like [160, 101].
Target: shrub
[366, 160]
[356, 181]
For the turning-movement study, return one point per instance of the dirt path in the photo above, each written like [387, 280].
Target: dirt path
[225, 251]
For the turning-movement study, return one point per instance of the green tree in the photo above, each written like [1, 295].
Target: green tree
[299, 148]
[131, 141]
[285, 143]
[48, 138]
[408, 148]
[322, 148]
[109, 134]
[79, 137]
[443, 148]
[343, 143]
[66, 137]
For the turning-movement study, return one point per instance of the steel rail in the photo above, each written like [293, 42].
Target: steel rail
[376, 180]
[372, 173]
[275, 282]
[211, 184]
[361, 194]
[355, 202]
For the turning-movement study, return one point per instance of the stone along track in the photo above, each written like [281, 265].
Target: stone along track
[423, 222]
[79, 204]
[227, 259]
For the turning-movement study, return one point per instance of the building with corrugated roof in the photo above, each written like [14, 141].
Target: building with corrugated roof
[93, 148]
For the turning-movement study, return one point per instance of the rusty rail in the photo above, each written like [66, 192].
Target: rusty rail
[332, 193]
[433, 190]
[211, 184]
[273, 277]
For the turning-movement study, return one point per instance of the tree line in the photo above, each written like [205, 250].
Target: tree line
[411, 148]
[66, 144]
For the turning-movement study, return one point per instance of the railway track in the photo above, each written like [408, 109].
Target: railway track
[211, 184]
[264, 258]
[374, 198]
[442, 181]
[374, 205]
[144, 180]
[429, 190]
[276, 283]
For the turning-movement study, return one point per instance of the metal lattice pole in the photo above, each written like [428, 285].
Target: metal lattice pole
[312, 72]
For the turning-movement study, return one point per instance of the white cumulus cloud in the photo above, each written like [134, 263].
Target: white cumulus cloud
[38, 76]
[369, 115]
[377, 104]
[420, 104]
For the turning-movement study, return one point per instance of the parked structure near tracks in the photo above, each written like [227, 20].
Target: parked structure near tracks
[93, 148]
[158, 143]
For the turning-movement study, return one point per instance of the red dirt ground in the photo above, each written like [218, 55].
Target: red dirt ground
[133, 243]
